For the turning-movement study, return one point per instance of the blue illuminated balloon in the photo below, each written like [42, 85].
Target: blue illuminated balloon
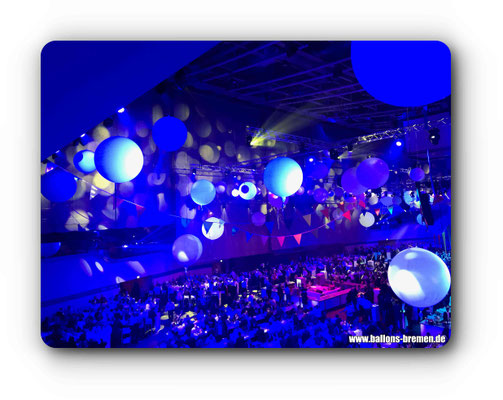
[403, 73]
[283, 176]
[84, 161]
[316, 170]
[118, 159]
[258, 219]
[419, 277]
[203, 192]
[372, 173]
[187, 249]
[350, 182]
[169, 133]
[417, 174]
[50, 249]
[247, 190]
[320, 195]
[58, 185]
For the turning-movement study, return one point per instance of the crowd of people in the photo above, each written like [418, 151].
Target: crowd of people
[265, 307]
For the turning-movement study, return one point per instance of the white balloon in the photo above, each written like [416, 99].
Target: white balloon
[247, 190]
[216, 229]
[418, 277]
[367, 219]
[373, 199]
[387, 201]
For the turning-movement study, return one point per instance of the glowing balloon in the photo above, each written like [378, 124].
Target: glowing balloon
[247, 190]
[50, 249]
[337, 214]
[283, 176]
[403, 73]
[58, 185]
[417, 174]
[387, 201]
[373, 199]
[320, 195]
[258, 219]
[169, 133]
[338, 192]
[84, 161]
[220, 187]
[118, 159]
[301, 190]
[316, 170]
[350, 182]
[372, 173]
[419, 219]
[397, 201]
[187, 249]
[419, 277]
[408, 197]
[235, 193]
[203, 192]
[367, 219]
[216, 229]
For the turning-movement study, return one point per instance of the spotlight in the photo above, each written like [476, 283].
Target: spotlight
[194, 171]
[249, 140]
[350, 147]
[121, 110]
[434, 135]
[398, 142]
[311, 159]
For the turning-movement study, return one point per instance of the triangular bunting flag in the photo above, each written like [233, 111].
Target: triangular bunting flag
[185, 222]
[207, 226]
[326, 212]
[307, 218]
[390, 209]
[315, 233]
[248, 236]
[281, 240]
[139, 210]
[264, 239]
[362, 204]
[234, 230]
[347, 215]
[269, 225]
[298, 238]
[377, 211]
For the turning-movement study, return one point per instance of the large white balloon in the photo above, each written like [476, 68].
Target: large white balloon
[215, 230]
[187, 249]
[367, 219]
[283, 176]
[247, 190]
[419, 277]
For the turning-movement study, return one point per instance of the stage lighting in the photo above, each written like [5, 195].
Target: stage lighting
[121, 110]
[249, 140]
[398, 142]
[434, 135]
[311, 159]
[350, 147]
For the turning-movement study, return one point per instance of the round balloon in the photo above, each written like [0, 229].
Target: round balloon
[258, 219]
[419, 219]
[367, 219]
[169, 133]
[320, 195]
[301, 190]
[50, 249]
[220, 188]
[397, 200]
[58, 185]
[337, 214]
[283, 176]
[202, 192]
[187, 249]
[372, 173]
[419, 277]
[403, 73]
[118, 159]
[408, 197]
[373, 199]
[317, 170]
[338, 192]
[84, 161]
[215, 230]
[350, 182]
[247, 190]
[387, 201]
[235, 192]
[417, 174]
